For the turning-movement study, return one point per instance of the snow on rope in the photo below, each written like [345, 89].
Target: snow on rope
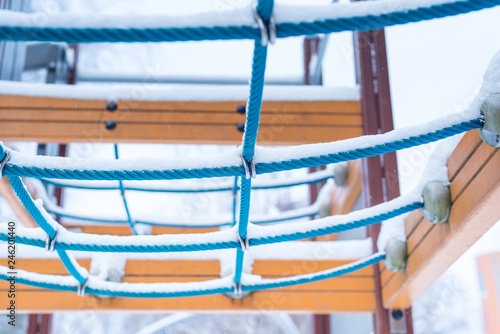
[246, 162]
[237, 23]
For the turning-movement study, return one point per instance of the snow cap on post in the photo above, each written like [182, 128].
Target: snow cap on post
[396, 254]
[490, 131]
[437, 202]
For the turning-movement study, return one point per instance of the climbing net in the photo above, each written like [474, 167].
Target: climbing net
[246, 163]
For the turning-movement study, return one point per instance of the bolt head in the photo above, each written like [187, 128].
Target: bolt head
[241, 127]
[110, 125]
[112, 106]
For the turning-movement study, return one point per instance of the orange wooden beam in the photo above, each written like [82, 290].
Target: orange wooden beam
[475, 188]
[351, 293]
[43, 119]
[8, 194]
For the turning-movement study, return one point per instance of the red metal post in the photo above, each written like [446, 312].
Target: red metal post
[39, 323]
[379, 174]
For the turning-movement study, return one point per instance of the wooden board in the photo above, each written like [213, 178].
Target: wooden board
[473, 170]
[43, 119]
[351, 293]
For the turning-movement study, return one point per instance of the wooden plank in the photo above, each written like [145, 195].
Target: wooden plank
[32, 102]
[469, 143]
[67, 132]
[341, 284]
[265, 268]
[433, 248]
[263, 301]
[118, 229]
[42, 119]
[354, 292]
[469, 170]
[277, 268]
[174, 117]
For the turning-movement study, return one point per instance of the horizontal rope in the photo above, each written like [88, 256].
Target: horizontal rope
[119, 244]
[47, 282]
[211, 221]
[316, 177]
[284, 29]
[261, 168]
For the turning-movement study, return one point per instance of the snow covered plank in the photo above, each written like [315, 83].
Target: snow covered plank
[125, 229]
[475, 188]
[64, 120]
[351, 293]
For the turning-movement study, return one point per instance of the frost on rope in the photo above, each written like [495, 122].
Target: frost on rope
[236, 16]
[436, 169]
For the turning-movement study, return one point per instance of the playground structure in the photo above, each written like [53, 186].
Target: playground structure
[431, 248]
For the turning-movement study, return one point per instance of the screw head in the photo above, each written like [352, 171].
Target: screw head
[241, 109]
[110, 125]
[397, 314]
[241, 127]
[112, 106]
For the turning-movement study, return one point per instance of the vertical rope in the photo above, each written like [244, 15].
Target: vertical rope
[254, 101]
[264, 8]
[235, 194]
[122, 192]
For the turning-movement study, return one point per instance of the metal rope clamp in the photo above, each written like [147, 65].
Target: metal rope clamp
[437, 202]
[396, 254]
[81, 288]
[4, 161]
[490, 110]
[250, 169]
[244, 243]
[267, 29]
[238, 291]
[50, 243]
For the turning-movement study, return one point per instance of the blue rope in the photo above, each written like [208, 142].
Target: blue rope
[254, 101]
[285, 29]
[90, 186]
[180, 223]
[34, 212]
[261, 168]
[30, 206]
[235, 194]
[289, 281]
[264, 8]
[186, 247]
[122, 192]
[318, 276]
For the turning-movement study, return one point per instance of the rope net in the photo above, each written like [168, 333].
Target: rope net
[244, 165]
